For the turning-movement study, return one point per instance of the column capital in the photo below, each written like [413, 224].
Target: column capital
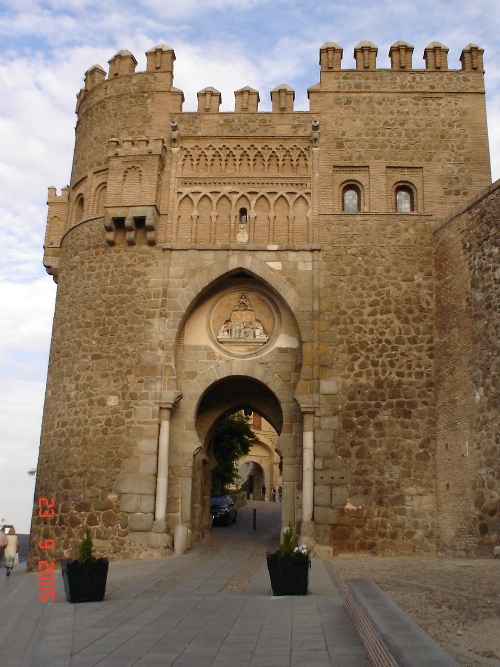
[305, 404]
[169, 398]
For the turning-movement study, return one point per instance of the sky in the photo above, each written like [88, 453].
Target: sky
[45, 48]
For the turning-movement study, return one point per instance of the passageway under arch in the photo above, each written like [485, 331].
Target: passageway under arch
[224, 397]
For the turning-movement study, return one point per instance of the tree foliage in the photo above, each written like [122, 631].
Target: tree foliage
[231, 440]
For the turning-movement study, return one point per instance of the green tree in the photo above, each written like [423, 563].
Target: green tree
[231, 440]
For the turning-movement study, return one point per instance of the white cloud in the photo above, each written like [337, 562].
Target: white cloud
[21, 404]
[26, 311]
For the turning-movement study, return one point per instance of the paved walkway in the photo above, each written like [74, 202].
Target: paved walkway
[210, 607]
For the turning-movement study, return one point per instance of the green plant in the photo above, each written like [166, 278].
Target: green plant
[231, 440]
[287, 544]
[86, 547]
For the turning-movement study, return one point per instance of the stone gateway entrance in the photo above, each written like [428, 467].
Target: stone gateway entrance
[301, 265]
[238, 348]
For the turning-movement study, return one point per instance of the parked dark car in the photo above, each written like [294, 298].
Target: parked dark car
[223, 509]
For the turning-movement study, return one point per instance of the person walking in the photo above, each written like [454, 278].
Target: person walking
[11, 550]
[280, 493]
[3, 544]
[263, 491]
[273, 495]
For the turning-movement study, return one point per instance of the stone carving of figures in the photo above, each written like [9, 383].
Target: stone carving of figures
[259, 330]
[236, 329]
[243, 302]
[224, 331]
[242, 235]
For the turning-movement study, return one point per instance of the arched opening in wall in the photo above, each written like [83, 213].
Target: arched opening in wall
[79, 208]
[405, 199]
[100, 199]
[261, 470]
[351, 198]
[236, 396]
[238, 347]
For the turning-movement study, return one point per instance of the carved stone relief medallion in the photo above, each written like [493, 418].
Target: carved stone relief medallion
[244, 321]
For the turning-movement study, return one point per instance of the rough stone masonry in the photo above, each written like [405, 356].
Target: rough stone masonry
[307, 266]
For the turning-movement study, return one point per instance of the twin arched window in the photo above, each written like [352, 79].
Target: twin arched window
[352, 198]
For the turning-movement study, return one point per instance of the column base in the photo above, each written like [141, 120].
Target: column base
[160, 526]
[307, 534]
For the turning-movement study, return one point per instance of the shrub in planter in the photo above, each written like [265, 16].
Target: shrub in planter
[85, 579]
[289, 566]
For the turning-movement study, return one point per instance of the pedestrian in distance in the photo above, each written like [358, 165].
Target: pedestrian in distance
[11, 550]
[273, 495]
[3, 544]
[263, 491]
[280, 493]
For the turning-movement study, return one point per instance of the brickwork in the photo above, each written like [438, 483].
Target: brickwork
[467, 333]
[172, 217]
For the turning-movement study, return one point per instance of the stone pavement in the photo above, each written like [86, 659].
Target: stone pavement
[210, 607]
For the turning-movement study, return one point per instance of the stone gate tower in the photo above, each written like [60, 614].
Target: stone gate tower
[279, 262]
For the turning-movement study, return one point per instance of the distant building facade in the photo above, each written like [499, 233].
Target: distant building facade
[305, 266]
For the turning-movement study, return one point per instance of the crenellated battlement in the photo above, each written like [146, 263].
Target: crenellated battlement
[161, 58]
[136, 147]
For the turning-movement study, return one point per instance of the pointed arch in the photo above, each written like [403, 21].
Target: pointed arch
[204, 220]
[230, 162]
[244, 163]
[204, 280]
[281, 220]
[99, 199]
[288, 163]
[78, 208]
[202, 163]
[223, 220]
[216, 166]
[259, 166]
[185, 220]
[273, 165]
[300, 220]
[236, 368]
[302, 163]
[187, 163]
[261, 227]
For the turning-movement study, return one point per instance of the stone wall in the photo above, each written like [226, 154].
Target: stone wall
[467, 267]
[375, 442]
[170, 213]
[100, 430]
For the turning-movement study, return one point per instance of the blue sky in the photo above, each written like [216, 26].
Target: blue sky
[45, 48]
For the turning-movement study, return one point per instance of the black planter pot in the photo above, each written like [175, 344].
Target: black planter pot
[85, 582]
[289, 574]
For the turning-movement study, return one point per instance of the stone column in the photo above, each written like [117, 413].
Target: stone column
[307, 528]
[162, 466]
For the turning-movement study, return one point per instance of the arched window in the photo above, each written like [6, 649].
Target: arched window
[243, 216]
[78, 211]
[405, 199]
[351, 199]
